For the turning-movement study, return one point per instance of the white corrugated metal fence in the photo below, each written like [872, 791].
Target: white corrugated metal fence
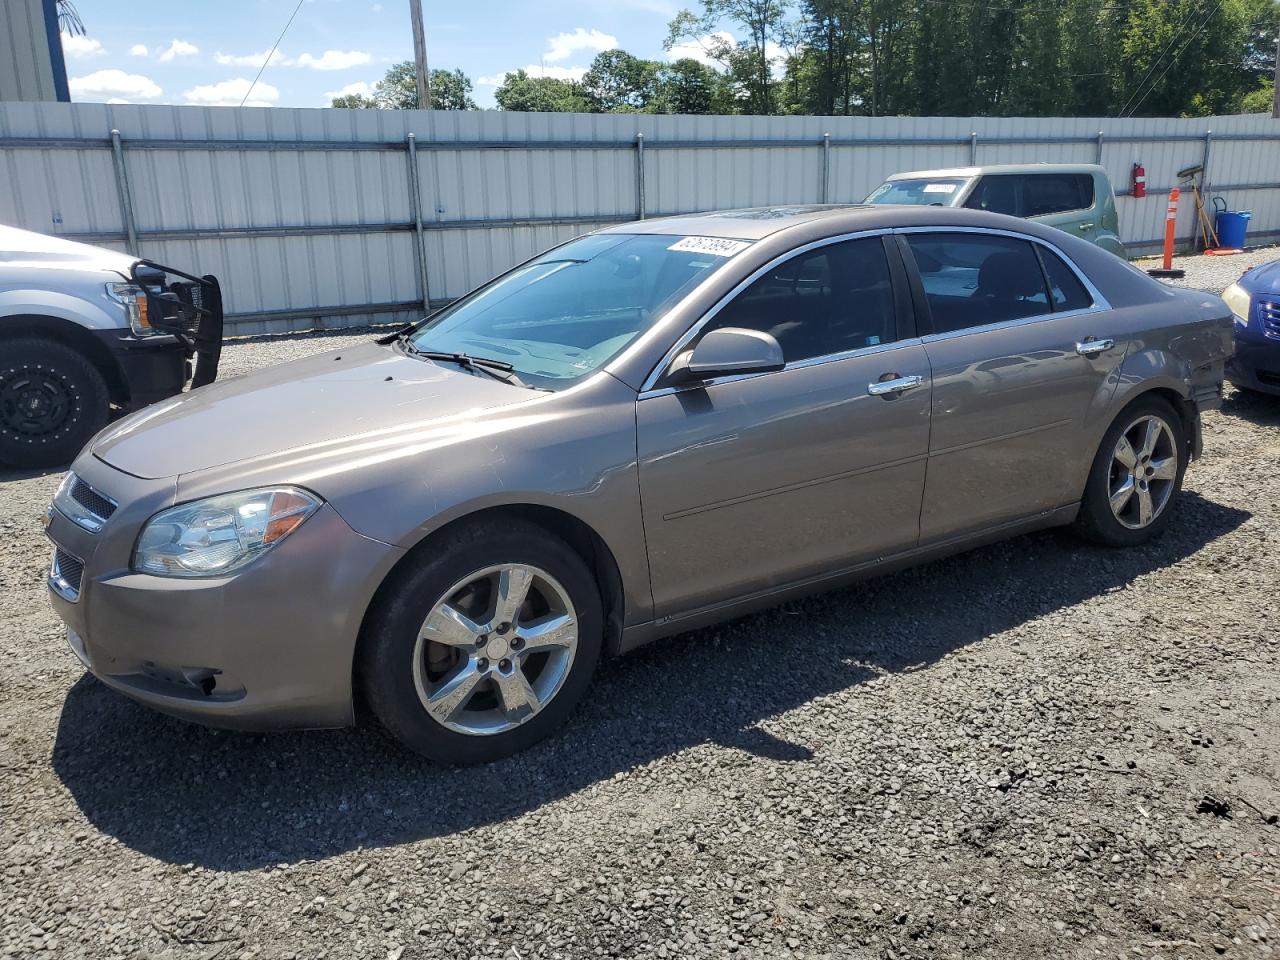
[309, 219]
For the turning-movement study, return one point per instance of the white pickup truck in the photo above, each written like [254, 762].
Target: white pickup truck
[84, 330]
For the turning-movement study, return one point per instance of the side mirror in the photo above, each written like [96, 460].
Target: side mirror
[727, 352]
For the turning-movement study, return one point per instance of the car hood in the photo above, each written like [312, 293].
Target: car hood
[1263, 279]
[367, 393]
[22, 248]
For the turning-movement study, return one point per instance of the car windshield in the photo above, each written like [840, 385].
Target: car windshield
[939, 191]
[564, 315]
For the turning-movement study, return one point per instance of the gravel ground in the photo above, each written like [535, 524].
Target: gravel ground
[1038, 749]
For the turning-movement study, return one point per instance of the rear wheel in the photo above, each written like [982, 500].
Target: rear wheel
[52, 400]
[1136, 476]
[484, 645]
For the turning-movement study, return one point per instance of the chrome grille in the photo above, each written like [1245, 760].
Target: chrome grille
[1269, 314]
[83, 505]
[66, 574]
[92, 500]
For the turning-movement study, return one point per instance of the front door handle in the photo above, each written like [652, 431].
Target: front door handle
[1085, 226]
[1091, 348]
[894, 386]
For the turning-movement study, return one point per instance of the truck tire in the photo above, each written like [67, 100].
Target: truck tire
[52, 400]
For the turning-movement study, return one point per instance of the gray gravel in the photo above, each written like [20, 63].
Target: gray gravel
[1039, 749]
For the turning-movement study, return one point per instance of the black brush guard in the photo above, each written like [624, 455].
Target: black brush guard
[190, 308]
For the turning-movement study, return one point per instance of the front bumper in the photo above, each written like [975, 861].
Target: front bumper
[270, 646]
[1256, 363]
[151, 368]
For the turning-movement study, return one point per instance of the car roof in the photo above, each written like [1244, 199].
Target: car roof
[749, 223]
[998, 168]
[758, 223]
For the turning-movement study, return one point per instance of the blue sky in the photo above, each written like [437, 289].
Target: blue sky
[152, 51]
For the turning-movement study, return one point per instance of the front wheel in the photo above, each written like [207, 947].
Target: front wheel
[484, 644]
[1136, 476]
[52, 400]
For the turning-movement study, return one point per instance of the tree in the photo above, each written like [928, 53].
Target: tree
[618, 82]
[519, 91]
[686, 86]
[398, 90]
[747, 61]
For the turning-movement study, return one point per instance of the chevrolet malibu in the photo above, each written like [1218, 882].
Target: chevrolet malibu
[650, 428]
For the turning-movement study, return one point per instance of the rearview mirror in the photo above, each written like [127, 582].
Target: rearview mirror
[727, 352]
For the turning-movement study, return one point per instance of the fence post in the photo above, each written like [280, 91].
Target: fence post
[639, 176]
[122, 189]
[419, 246]
[826, 167]
[973, 148]
[1098, 156]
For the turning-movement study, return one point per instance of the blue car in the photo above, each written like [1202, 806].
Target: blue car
[1255, 301]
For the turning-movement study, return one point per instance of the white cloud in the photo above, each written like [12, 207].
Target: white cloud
[697, 49]
[251, 59]
[334, 60]
[178, 48]
[535, 70]
[564, 45]
[114, 83]
[229, 93]
[138, 50]
[360, 88]
[81, 48]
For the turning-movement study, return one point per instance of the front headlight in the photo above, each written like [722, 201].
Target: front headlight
[134, 300]
[1240, 301]
[212, 537]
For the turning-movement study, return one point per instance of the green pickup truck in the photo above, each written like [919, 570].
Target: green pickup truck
[1075, 197]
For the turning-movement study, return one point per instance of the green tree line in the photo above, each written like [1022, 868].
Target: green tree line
[915, 58]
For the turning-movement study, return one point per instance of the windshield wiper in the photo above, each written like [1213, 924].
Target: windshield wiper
[497, 369]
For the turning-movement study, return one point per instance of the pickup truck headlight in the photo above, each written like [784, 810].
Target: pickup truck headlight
[1240, 301]
[214, 536]
[134, 300]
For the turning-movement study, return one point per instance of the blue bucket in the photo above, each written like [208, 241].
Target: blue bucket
[1232, 226]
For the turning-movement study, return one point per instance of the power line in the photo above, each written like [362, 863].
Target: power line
[274, 46]
[1172, 60]
[1177, 35]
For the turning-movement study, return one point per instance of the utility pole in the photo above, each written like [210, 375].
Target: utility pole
[420, 55]
[1275, 103]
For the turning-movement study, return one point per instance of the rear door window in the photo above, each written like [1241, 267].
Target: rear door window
[1048, 193]
[973, 279]
[1065, 288]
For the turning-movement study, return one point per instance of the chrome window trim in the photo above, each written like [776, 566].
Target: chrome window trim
[794, 365]
[647, 388]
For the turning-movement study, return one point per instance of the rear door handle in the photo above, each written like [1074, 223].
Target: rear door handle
[1091, 348]
[883, 388]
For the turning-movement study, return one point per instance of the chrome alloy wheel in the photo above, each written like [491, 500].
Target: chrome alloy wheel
[495, 649]
[1144, 469]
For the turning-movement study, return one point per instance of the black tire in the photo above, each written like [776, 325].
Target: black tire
[52, 401]
[1097, 522]
[385, 663]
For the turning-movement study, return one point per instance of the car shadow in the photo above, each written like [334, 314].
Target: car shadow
[186, 794]
[1262, 409]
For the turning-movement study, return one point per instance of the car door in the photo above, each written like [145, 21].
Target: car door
[1062, 200]
[757, 481]
[1021, 359]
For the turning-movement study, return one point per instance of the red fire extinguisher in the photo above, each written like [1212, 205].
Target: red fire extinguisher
[1139, 181]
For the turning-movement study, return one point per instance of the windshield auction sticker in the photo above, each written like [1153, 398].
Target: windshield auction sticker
[940, 188]
[715, 246]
